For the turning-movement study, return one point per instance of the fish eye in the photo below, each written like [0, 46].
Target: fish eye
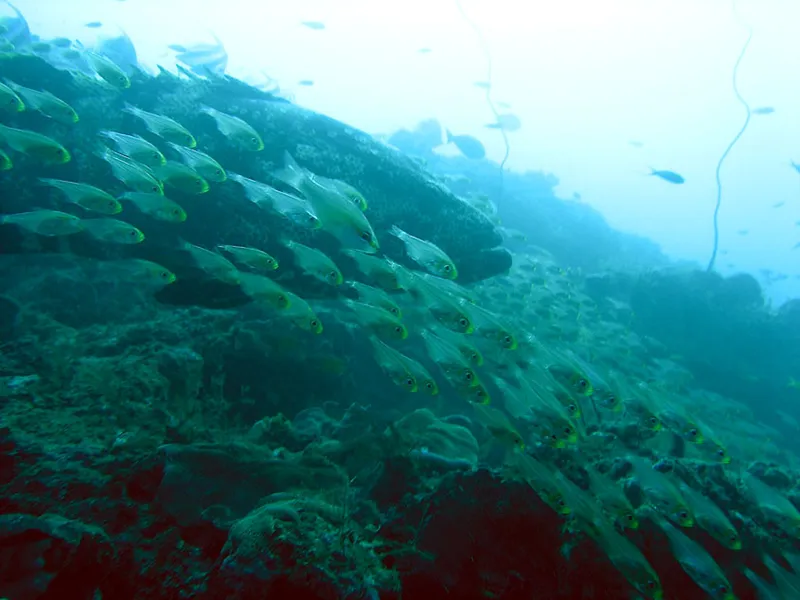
[176, 212]
[254, 141]
[629, 517]
[12, 101]
[366, 236]
[469, 375]
[398, 329]
[463, 322]
[582, 383]
[218, 172]
[720, 452]
[429, 385]
[572, 408]
[314, 323]
[507, 339]
[157, 156]
[410, 382]
[693, 432]
[447, 268]
[394, 311]
[567, 430]
[282, 301]
[59, 151]
[333, 275]
[132, 233]
[561, 502]
[164, 275]
[154, 189]
[651, 585]
[683, 514]
[652, 420]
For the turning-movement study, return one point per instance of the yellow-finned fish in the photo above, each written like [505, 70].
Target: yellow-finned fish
[163, 127]
[628, 559]
[86, 196]
[297, 210]
[393, 364]
[157, 206]
[711, 518]
[315, 263]
[235, 129]
[489, 326]
[455, 367]
[382, 271]
[200, 162]
[346, 189]
[661, 493]
[384, 324]
[136, 148]
[376, 297]
[697, 563]
[134, 175]
[250, 257]
[215, 265]
[9, 100]
[541, 478]
[301, 314]
[35, 145]
[113, 231]
[47, 104]
[448, 310]
[144, 272]
[181, 177]
[108, 70]
[425, 380]
[426, 254]
[263, 289]
[463, 343]
[338, 214]
[50, 223]
[612, 498]
[499, 425]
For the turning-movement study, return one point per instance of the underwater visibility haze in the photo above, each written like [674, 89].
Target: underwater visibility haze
[359, 300]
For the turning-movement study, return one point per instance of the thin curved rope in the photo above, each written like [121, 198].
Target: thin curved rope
[722, 158]
[488, 55]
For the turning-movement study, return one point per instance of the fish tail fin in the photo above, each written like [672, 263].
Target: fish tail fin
[101, 151]
[397, 232]
[292, 174]
[131, 109]
[46, 182]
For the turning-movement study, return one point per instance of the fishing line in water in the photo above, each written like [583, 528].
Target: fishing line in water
[722, 158]
[488, 55]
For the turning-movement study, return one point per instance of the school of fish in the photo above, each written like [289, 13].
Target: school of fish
[557, 381]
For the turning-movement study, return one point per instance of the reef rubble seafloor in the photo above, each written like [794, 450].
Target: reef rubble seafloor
[213, 521]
